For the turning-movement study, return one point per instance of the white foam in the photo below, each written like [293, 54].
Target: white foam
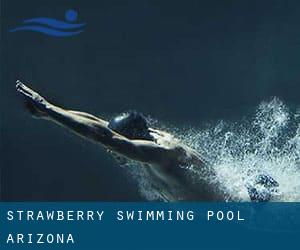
[268, 142]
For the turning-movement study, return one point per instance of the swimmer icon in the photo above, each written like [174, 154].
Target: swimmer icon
[53, 27]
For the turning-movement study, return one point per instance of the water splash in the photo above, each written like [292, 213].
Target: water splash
[267, 142]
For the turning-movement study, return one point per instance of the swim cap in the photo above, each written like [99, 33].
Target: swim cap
[132, 125]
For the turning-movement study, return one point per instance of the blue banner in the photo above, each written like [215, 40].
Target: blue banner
[117, 225]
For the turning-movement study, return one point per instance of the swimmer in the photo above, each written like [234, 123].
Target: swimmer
[129, 136]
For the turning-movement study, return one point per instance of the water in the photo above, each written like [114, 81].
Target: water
[268, 141]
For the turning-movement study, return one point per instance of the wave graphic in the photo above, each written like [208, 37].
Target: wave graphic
[53, 23]
[268, 141]
[48, 31]
[53, 27]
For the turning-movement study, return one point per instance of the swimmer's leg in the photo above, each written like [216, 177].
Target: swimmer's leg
[35, 104]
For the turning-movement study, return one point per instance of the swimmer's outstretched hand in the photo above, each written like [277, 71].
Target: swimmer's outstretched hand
[35, 103]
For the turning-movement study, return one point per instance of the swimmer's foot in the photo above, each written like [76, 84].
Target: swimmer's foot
[34, 103]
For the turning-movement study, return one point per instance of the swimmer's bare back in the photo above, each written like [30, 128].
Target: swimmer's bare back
[167, 156]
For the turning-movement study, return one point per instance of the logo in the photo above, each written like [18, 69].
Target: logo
[53, 27]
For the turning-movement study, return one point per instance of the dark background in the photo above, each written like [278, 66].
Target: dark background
[182, 62]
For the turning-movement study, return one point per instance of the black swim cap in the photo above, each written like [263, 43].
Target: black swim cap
[132, 125]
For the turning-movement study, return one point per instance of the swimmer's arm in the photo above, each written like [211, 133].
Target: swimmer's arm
[81, 123]
[87, 115]
[142, 150]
